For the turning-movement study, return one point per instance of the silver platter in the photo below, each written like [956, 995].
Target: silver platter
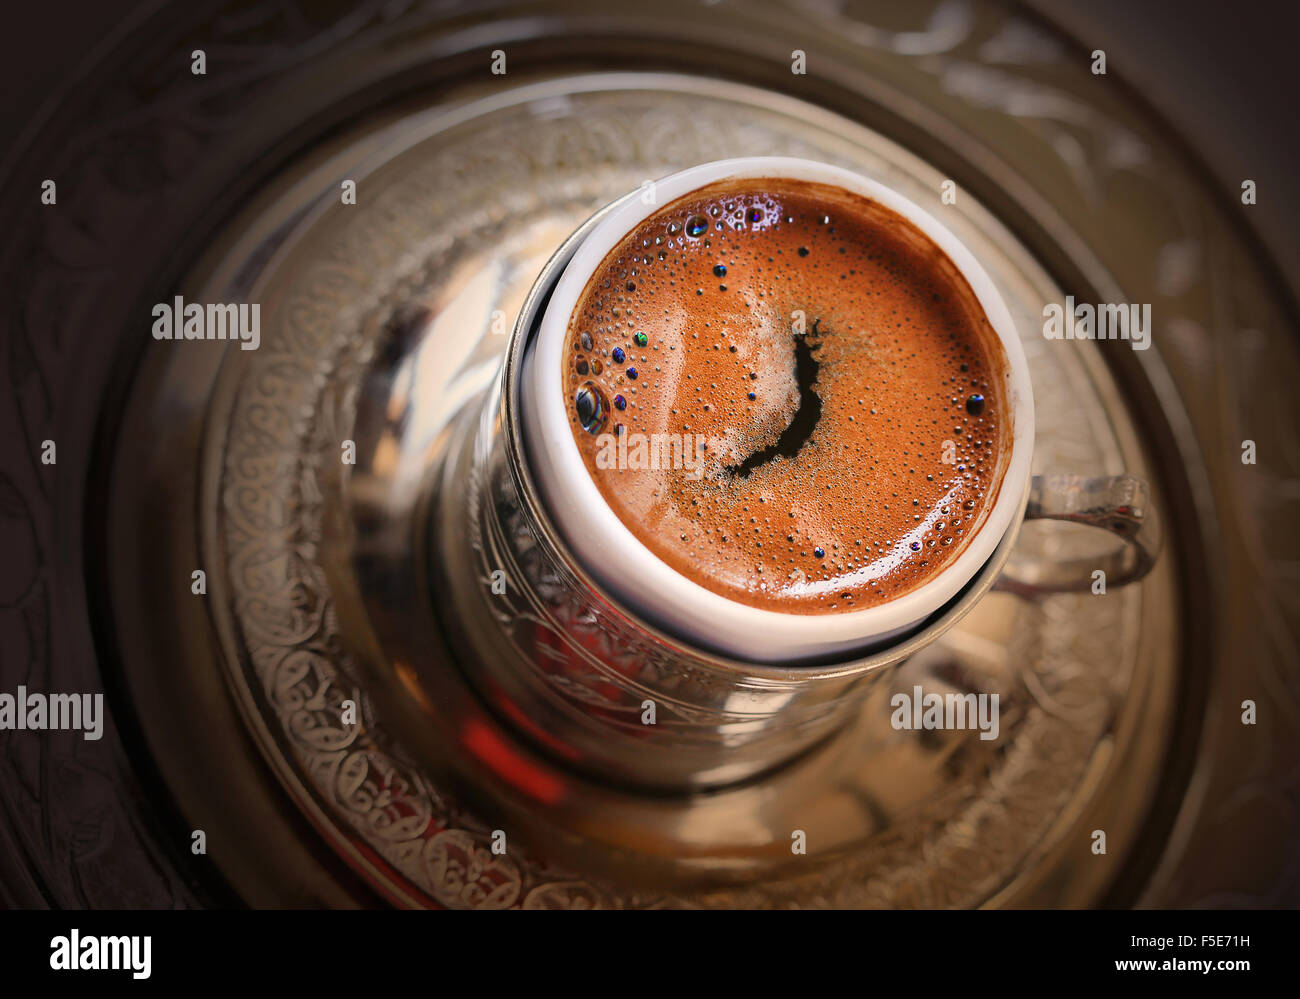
[385, 309]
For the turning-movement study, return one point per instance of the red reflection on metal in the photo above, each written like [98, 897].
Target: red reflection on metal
[511, 767]
[512, 711]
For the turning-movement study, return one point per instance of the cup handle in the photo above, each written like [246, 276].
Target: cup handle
[1120, 504]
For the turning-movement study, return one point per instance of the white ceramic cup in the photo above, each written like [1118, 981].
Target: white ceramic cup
[646, 585]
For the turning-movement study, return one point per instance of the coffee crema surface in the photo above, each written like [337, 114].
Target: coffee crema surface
[789, 394]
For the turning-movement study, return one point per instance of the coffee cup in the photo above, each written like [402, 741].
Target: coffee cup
[607, 657]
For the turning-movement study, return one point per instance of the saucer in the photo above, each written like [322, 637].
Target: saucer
[378, 329]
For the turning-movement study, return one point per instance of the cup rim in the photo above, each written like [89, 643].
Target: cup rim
[626, 568]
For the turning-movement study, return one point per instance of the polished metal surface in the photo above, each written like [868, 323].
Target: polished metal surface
[1121, 504]
[1121, 711]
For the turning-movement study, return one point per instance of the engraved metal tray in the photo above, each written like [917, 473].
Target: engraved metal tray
[1120, 711]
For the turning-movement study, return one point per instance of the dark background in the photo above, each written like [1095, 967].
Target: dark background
[1225, 75]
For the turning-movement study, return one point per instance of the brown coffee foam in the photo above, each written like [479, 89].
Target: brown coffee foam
[891, 320]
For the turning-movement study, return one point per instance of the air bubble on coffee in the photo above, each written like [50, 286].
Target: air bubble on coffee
[589, 407]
